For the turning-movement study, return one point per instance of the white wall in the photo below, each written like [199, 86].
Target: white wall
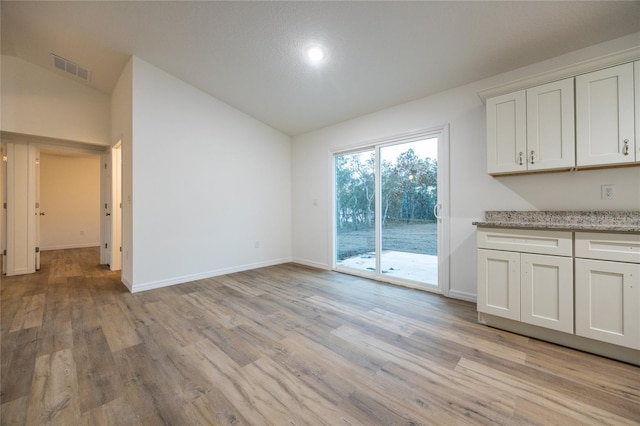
[70, 199]
[40, 102]
[208, 181]
[472, 190]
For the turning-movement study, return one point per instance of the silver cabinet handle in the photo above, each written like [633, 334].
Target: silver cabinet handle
[520, 158]
[532, 162]
[625, 147]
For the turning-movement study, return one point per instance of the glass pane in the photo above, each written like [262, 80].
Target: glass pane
[409, 180]
[355, 207]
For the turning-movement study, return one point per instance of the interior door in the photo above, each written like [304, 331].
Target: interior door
[21, 211]
[3, 211]
[116, 208]
[105, 210]
[38, 210]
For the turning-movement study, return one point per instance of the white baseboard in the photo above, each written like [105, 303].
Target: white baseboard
[311, 263]
[462, 295]
[203, 275]
[126, 282]
[69, 246]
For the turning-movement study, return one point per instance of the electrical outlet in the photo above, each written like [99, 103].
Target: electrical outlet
[81, 232]
[608, 192]
[257, 244]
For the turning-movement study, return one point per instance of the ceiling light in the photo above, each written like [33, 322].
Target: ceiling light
[315, 54]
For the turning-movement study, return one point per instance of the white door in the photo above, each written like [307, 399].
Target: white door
[105, 209]
[3, 211]
[604, 117]
[116, 208]
[608, 301]
[546, 289]
[38, 212]
[21, 211]
[499, 283]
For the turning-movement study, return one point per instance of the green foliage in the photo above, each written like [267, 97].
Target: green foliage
[409, 190]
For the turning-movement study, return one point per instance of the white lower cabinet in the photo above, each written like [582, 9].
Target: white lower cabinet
[577, 289]
[521, 279]
[607, 287]
[608, 302]
[531, 288]
[499, 283]
[546, 291]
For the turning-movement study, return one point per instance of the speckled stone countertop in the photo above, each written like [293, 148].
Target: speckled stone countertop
[597, 221]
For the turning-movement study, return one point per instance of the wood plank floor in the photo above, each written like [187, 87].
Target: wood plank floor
[276, 346]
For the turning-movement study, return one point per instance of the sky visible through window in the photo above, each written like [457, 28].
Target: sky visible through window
[422, 148]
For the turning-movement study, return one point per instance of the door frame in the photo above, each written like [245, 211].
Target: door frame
[8, 229]
[442, 132]
[111, 207]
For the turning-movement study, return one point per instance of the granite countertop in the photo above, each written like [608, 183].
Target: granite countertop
[606, 220]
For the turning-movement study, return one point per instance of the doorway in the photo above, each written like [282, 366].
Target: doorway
[62, 202]
[391, 210]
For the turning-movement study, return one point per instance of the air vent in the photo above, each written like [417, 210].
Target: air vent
[71, 67]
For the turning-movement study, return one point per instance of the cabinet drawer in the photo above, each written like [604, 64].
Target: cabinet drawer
[617, 247]
[559, 243]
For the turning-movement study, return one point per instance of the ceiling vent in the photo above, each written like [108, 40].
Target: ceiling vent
[71, 67]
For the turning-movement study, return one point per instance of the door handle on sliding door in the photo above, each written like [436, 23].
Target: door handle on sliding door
[437, 210]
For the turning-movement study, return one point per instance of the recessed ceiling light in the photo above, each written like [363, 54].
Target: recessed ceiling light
[315, 54]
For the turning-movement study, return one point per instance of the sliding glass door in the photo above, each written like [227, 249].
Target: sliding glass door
[409, 189]
[388, 211]
[355, 204]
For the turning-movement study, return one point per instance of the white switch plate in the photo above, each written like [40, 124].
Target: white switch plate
[608, 192]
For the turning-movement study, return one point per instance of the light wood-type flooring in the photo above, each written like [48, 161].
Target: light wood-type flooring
[283, 345]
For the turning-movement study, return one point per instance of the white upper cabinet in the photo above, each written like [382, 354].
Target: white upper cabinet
[636, 68]
[532, 130]
[507, 133]
[605, 131]
[550, 126]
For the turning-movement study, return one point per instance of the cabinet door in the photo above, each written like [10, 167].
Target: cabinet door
[608, 301]
[546, 288]
[506, 133]
[636, 81]
[499, 283]
[550, 126]
[605, 117]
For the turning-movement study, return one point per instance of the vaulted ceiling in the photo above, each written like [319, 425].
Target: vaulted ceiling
[251, 54]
